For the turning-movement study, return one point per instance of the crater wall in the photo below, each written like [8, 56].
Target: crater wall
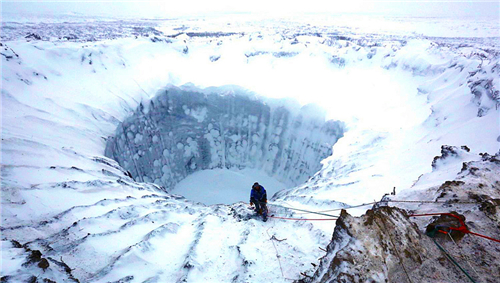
[182, 131]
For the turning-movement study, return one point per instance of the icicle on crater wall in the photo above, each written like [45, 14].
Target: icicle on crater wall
[183, 131]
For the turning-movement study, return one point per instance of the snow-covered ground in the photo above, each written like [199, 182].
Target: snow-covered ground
[403, 90]
[225, 186]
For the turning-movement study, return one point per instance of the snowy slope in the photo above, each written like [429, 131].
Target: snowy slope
[402, 97]
[374, 158]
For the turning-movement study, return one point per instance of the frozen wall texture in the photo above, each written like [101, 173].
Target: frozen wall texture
[181, 131]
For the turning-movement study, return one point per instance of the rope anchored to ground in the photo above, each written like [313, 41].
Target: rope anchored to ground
[462, 227]
[335, 217]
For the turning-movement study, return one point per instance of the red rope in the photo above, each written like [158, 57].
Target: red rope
[303, 219]
[462, 227]
[484, 236]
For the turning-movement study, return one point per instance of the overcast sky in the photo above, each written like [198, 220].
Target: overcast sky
[177, 8]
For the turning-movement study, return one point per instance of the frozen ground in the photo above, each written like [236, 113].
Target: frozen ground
[403, 90]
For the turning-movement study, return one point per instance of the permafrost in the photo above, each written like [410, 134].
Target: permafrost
[183, 131]
[62, 199]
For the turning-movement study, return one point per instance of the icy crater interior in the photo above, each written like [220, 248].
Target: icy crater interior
[245, 139]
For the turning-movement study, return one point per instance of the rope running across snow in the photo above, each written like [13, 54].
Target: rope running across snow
[322, 212]
[303, 210]
[303, 219]
[462, 228]
[277, 255]
[399, 201]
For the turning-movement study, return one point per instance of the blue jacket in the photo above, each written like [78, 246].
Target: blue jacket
[258, 194]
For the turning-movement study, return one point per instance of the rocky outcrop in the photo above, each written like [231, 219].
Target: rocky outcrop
[382, 246]
[182, 131]
[448, 151]
[388, 244]
[36, 267]
[385, 246]
[483, 84]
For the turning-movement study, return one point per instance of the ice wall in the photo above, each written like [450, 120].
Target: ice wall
[181, 131]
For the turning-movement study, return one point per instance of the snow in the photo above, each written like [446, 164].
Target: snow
[11, 261]
[403, 88]
[225, 186]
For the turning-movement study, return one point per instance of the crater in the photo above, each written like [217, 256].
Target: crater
[234, 137]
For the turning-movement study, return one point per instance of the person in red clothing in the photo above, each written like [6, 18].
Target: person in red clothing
[258, 196]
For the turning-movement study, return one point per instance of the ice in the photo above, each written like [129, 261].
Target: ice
[285, 142]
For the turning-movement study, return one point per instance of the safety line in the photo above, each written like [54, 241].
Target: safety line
[430, 201]
[335, 217]
[303, 219]
[319, 213]
[462, 255]
[453, 260]
[277, 255]
[403, 201]
[486, 237]
[462, 228]
[349, 207]
[372, 203]
[396, 201]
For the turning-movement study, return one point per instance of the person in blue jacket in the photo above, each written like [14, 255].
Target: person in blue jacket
[258, 196]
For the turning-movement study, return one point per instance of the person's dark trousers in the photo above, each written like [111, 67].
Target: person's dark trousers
[260, 207]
